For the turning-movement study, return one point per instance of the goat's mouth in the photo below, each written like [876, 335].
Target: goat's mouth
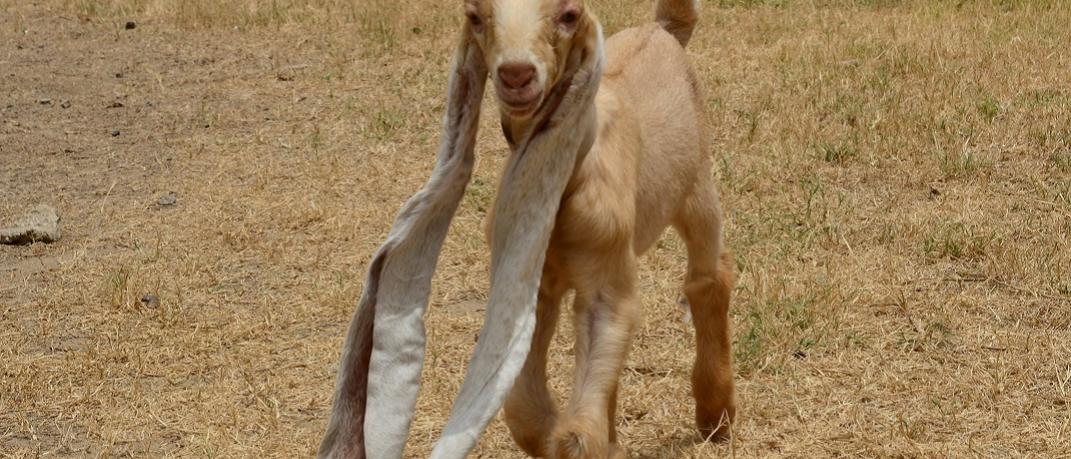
[520, 104]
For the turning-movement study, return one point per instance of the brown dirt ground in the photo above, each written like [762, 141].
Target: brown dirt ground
[897, 177]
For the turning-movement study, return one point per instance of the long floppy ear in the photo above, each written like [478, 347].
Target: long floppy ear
[370, 416]
[535, 179]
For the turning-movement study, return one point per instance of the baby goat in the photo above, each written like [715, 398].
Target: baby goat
[648, 167]
[609, 148]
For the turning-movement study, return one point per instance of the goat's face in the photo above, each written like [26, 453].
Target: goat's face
[528, 46]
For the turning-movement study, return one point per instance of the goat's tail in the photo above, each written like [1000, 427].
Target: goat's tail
[678, 17]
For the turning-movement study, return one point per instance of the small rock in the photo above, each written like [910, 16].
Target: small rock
[150, 301]
[40, 225]
[131, 25]
[65, 104]
[115, 133]
[118, 74]
[934, 192]
[168, 199]
[116, 104]
[45, 101]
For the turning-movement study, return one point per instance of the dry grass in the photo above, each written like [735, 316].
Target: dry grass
[897, 176]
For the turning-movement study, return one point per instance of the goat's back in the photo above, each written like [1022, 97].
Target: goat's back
[648, 76]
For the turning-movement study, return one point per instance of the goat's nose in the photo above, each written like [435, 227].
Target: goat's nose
[516, 75]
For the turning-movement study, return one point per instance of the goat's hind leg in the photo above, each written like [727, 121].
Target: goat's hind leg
[529, 410]
[709, 281]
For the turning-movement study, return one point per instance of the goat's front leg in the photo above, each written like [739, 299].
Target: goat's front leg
[530, 411]
[606, 318]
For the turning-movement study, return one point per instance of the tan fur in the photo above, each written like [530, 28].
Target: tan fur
[648, 168]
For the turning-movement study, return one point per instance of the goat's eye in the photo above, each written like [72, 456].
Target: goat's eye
[569, 18]
[475, 21]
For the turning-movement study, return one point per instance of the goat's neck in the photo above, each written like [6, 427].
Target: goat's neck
[516, 129]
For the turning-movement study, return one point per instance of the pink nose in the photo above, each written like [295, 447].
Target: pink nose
[516, 75]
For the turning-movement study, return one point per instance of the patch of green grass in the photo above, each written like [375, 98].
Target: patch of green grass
[752, 3]
[1049, 96]
[377, 30]
[852, 339]
[386, 122]
[751, 120]
[939, 334]
[316, 140]
[779, 329]
[960, 242]
[480, 195]
[963, 164]
[1012, 5]
[89, 8]
[935, 335]
[881, 79]
[750, 347]
[1065, 288]
[1062, 192]
[1061, 159]
[116, 288]
[888, 233]
[836, 152]
[816, 215]
[989, 109]
[18, 23]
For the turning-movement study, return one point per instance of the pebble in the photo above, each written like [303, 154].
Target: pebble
[168, 199]
[150, 301]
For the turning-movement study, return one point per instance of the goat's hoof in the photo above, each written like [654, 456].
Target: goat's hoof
[532, 438]
[715, 424]
[575, 439]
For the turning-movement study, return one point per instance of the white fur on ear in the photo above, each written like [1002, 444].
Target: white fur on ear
[534, 181]
[379, 374]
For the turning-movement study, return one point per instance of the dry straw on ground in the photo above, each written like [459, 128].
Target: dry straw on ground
[897, 177]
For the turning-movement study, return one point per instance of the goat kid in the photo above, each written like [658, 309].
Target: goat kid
[598, 171]
[648, 167]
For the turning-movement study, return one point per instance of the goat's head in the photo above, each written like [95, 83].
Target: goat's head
[529, 46]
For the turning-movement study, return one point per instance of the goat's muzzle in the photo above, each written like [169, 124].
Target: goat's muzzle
[518, 89]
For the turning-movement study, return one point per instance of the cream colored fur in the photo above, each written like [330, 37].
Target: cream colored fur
[595, 175]
[648, 168]
[379, 374]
